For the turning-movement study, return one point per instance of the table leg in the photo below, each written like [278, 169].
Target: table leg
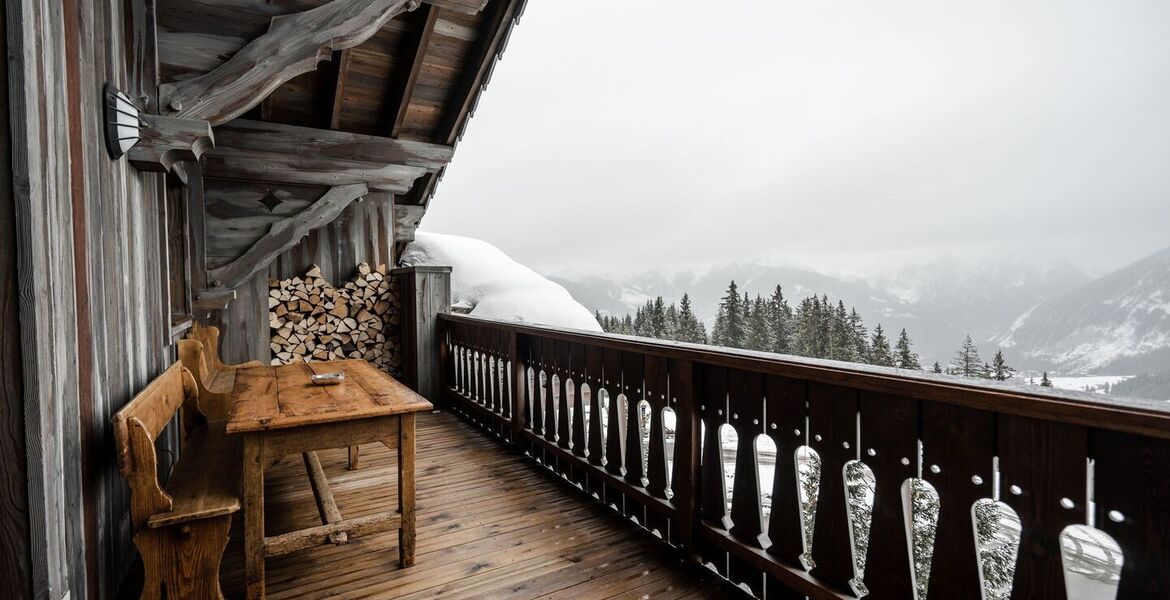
[254, 516]
[406, 489]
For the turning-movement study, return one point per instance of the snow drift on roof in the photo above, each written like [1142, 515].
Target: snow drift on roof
[492, 285]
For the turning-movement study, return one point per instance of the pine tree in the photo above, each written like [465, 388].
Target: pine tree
[780, 323]
[937, 367]
[1045, 381]
[758, 330]
[689, 327]
[1000, 370]
[860, 336]
[719, 328]
[966, 361]
[657, 318]
[880, 353]
[906, 358]
[734, 328]
[841, 345]
[806, 340]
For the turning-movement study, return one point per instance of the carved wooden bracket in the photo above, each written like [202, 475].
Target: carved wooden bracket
[293, 45]
[406, 220]
[285, 234]
[167, 141]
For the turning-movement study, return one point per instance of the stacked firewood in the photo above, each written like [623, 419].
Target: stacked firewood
[312, 320]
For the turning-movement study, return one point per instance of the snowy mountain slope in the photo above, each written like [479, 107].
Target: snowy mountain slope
[1118, 323]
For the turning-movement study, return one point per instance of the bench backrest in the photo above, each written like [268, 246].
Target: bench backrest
[138, 425]
[208, 335]
[193, 355]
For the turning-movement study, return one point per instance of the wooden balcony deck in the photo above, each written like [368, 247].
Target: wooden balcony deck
[490, 525]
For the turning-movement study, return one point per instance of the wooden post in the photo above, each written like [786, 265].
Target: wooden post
[425, 293]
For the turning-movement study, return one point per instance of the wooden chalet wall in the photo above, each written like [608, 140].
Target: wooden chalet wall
[238, 214]
[93, 322]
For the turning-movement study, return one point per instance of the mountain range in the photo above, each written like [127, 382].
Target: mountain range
[1046, 313]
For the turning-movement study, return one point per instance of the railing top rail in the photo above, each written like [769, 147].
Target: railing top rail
[1144, 417]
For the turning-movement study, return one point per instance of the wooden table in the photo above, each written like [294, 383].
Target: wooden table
[278, 411]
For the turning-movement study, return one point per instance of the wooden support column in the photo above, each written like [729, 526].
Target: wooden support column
[425, 293]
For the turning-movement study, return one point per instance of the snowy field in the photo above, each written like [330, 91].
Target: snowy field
[1087, 383]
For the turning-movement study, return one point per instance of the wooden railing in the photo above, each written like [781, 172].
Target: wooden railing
[1055, 458]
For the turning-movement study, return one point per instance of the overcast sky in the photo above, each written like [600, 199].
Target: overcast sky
[657, 133]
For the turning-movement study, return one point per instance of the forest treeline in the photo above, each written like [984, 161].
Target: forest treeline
[818, 327]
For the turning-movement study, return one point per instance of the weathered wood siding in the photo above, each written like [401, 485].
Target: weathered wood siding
[94, 322]
[239, 213]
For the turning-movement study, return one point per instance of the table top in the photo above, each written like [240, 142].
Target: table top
[279, 397]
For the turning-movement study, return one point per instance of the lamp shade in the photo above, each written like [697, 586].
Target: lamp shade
[122, 124]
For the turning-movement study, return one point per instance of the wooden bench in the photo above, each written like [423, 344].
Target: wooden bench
[199, 353]
[180, 526]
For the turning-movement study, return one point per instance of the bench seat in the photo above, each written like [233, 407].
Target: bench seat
[206, 481]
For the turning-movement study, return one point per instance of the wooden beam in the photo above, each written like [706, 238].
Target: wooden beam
[293, 45]
[285, 234]
[486, 51]
[469, 7]
[405, 86]
[213, 299]
[323, 494]
[337, 98]
[318, 536]
[273, 167]
[318, 143]
[166, 141]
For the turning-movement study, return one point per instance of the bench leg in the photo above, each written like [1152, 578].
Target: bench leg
[196, 550]
[254, 516]
[154, 562]
[353, 458]
[406, 489]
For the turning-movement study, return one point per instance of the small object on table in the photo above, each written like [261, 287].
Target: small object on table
[328, 378]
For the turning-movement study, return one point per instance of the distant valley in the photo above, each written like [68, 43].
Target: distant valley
[1046, 314]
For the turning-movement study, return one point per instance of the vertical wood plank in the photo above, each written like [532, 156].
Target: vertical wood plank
[746, 405]
[564, 435]
[686, 476]
[633, 387]
[1047, 461]
[656, 376]
[713, 410]
[1132, 483]
[832, 425]
[961, 442]
[594, 375]
[889, 431]
[613, 439]
[577, 372]
[786, 399]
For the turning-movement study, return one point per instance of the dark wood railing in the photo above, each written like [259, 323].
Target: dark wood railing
[1060, 458]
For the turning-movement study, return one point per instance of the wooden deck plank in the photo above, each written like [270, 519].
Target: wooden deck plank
[490, 525]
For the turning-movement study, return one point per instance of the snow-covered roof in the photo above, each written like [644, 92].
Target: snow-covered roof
[491, 284]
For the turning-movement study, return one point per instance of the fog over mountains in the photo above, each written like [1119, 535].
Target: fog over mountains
[1046, 313]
